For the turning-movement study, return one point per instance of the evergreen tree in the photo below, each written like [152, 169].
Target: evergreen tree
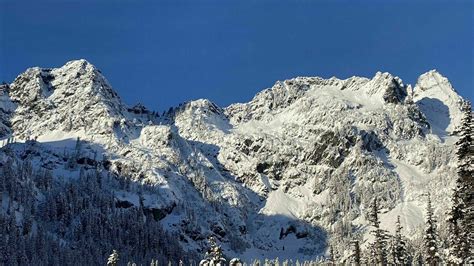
[431, 255]
[72, 160]
[399, 252]
[113, 258]
[332, 255]
[238, 262]
[214, 254]
[257, 262]
[378, 247]
[266, 262]
[461, 215]
[456, 238]
[276, 262]
[354, 258]
[82, 213]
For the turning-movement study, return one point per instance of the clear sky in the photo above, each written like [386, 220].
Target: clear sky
[162, 53]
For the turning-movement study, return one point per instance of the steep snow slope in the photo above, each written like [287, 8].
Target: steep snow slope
[283, 175]
[439, 102]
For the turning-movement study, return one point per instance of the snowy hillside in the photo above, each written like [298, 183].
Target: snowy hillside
[283, 175]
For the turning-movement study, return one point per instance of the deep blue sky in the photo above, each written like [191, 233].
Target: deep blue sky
[162, 53]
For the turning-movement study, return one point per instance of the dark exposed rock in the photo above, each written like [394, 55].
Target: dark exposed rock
[123, 204]
[395, 93]
[86, 161]
[159, 214]
[139, 109]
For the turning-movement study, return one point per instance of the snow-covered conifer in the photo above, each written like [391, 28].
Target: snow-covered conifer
[332, 255]
[431, 255]
[354, 258]
[276, 262]
[379, 246]
[235, 262]
[456, 237]
[256, 262]
[214, 254]
[266, 262]
[399, 253]
[461, 215]
[113, 258]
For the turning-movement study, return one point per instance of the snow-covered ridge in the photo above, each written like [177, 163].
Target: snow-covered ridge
[382, 88]
[295, 167]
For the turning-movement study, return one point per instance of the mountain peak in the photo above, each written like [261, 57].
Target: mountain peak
[38, 82]
[78, 63]
[439, 101]
[72, 97]
[389, 87]
[434, 84]
[434, 79]
[79, 66]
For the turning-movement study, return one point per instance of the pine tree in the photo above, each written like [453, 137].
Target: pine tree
[113, 258]
[456, 238]
[380, 235]
[214, 254]
[399, 252]
[235, 262]
[431, 255]
[354, 258]
[256, 262]
[332, 255]
[461, 215]
[266, 262]
[276, 262]
[72, 160]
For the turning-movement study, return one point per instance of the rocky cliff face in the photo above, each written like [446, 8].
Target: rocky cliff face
[283, 175]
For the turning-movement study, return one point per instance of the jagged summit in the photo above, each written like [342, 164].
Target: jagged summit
[432, 78]
[79, 63]
[390, 88]
[295, 167]
[439, 101]
[80, 75]
[382, 89]
[73, 98]
[201, 104]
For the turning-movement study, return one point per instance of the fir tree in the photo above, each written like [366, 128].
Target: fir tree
[399, 252]
[461, 216]
[431, 255]
[456, 238]
[256, 262]
[113, 258]
[238, 262]
[354, 258]
[378, 247]
[72, 160]
[276, 262]
[332, 255]
[214, 254]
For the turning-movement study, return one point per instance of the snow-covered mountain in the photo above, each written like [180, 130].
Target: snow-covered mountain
[283, 175]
